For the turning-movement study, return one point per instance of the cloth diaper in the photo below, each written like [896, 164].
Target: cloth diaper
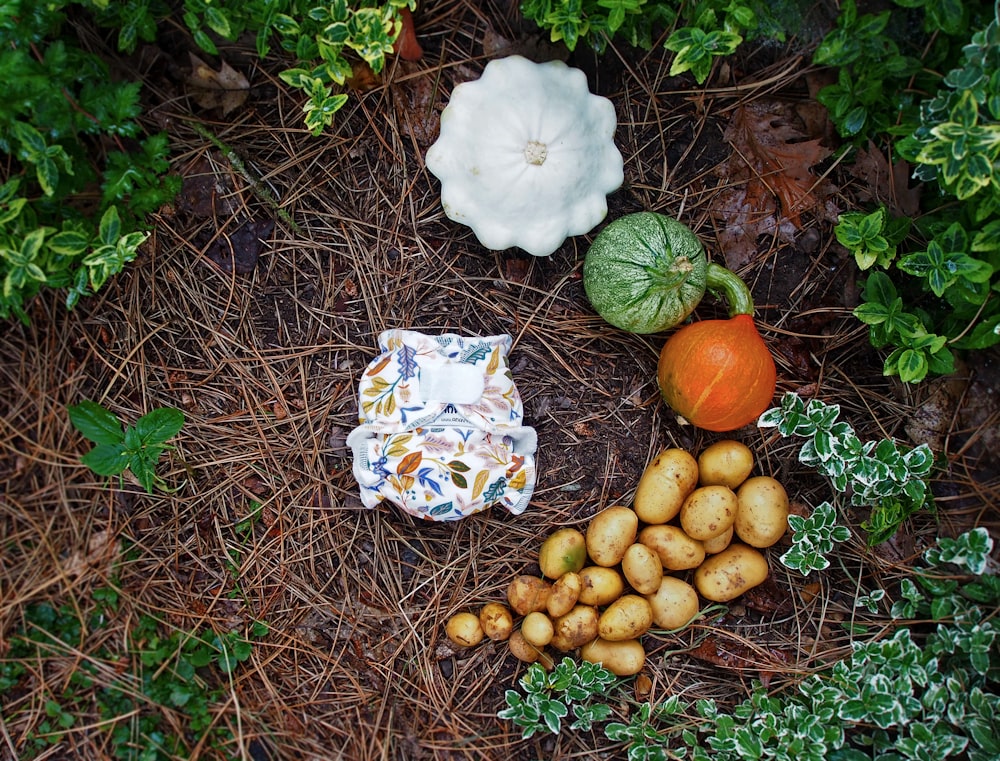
[440, 429]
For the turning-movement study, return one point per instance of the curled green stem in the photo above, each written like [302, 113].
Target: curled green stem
[728, 285]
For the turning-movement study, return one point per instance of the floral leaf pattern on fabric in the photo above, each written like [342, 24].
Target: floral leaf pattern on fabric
[407, 361]
[442, 460]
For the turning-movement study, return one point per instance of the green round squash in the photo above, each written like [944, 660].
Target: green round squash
[645, 272]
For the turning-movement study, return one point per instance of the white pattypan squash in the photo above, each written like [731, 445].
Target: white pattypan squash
[526, 155]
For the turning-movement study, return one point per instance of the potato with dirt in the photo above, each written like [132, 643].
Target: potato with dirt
[628, 617]
[575, 629]
[565, 593]
[527, 593]
[762, 511]
[725, 463]
[464, 629]
[675, 549]
[610, 533]
[621, 658]
[674, 604]
[496, 620]
[563, 551]
[664, 485]
[600, 586]
[729, 574]
[523, 650]
[708, 511]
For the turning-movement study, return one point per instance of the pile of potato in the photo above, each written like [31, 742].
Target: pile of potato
[641, 567]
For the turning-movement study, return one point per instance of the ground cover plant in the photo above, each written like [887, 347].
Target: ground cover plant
[249, 208]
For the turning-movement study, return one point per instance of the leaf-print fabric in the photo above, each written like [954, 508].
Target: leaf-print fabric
[440, 429]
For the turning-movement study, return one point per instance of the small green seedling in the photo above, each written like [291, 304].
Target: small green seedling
[135, 448]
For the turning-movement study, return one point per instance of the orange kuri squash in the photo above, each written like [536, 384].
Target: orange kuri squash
[718, 374]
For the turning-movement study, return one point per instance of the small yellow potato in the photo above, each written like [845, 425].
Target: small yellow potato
[674, 604]
[717, 544]
[564, 594]
[537, 629]
[762, 512]
[562, 551]
[642, 568]
[528, 593]
[676, 550]
[621, 658]
[600, 586]
[729, 574]
[628, 617]
[464, 629]
[521, 649]
[575, 629]
[725, 463]
[708, 511]
[664, 484]
[496, 620]
[610, 533]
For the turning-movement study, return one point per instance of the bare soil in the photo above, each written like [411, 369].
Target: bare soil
[257, 324]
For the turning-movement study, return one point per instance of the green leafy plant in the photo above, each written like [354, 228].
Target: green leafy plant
[135, 448]
[940, 295]
[916, 352]
[548, 697]
[649, 730]
[872, 238]
[156, 674]
[812, 538]
[67, 126]
[321, 37]
[704, 31]
[891, 481]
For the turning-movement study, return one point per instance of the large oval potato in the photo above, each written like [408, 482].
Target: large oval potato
[496, 620]
[564, 594]
[642, 568]
[708, 511]
[575, 629]
[563, 551]
[623, 658]
[610, 533]
[762, 512]
[676, 550]
[729, 574]
[725, 463]
[464, 629]
[600, 586]
[528, 593]
[664, 484]
[673, 604]
[628, 617]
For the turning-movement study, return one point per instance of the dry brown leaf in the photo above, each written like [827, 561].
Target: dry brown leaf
[226, 88]
[100, 551]
[416, 106]
[886, 185]
[733, 654]
[770, 176]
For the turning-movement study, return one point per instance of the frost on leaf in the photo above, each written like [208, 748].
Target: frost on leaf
[769, 178]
